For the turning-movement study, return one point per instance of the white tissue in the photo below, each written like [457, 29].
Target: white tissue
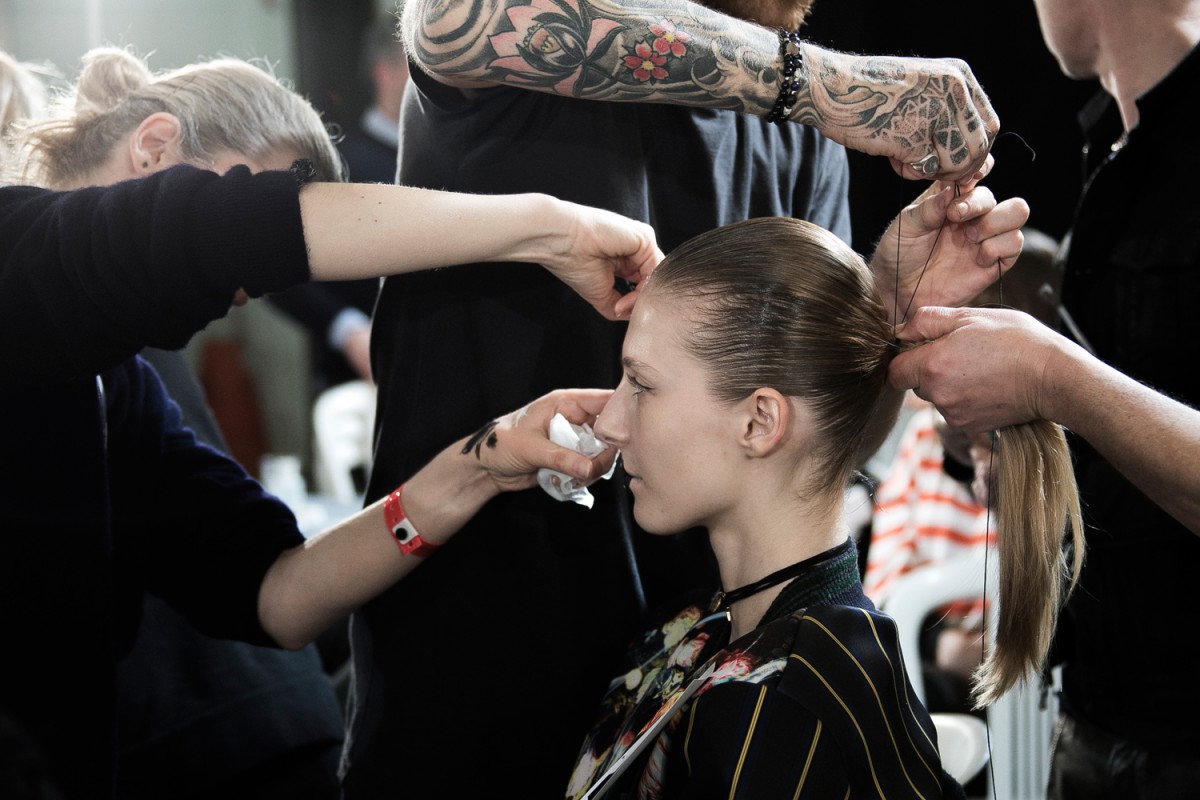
[581, 439]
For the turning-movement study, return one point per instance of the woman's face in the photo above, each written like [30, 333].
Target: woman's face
[678, 444]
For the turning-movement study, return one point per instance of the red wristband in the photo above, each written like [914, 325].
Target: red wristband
[402, 530]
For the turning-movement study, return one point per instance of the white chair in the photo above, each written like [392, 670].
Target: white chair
[343, 427]
[962, 744]
[1018, 732]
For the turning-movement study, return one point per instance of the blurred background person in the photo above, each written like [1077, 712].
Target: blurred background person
[337, 314]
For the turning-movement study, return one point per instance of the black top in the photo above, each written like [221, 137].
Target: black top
[103, 494]
[1133, 273]
[525, 611]
[813, 703]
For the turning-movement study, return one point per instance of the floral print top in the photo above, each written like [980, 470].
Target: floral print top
[815, 702]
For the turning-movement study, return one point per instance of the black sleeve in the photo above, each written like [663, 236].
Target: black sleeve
[90, 277]
[190, 525]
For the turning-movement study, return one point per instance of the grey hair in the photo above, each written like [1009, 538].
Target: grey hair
[225, 104]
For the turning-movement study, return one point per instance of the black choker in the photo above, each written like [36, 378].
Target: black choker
[724, 600]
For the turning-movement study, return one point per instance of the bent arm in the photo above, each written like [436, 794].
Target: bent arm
[1151, 439]
[367, 230]
[678, 52]
[311, 586]
[990, 368]
[90, 277]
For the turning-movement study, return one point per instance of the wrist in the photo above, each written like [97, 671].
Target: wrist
[791, 72]
[539, 225]
[402, 529]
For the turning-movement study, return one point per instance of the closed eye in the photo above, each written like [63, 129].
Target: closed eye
[637, 387]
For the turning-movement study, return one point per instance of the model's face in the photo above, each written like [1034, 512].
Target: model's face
[678, 444]
[1069, 28]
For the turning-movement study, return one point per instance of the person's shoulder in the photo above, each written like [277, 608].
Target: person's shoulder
[845, 641]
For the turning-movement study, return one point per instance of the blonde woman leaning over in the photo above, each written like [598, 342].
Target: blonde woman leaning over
[186, 199]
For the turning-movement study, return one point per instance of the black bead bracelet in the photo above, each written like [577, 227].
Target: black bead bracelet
[789, 86]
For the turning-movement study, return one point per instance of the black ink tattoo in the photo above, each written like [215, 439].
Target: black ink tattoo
[476, 442]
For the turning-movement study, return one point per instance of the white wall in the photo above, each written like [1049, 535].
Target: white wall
[169, 34]
[173, 32]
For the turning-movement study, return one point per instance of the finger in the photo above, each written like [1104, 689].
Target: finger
[971, 204]
[905, 370]
[624, 307]
[565, 460]
[1002, 250]
[931, 322]
[582, 405]
[907, 171]
[609, 305]
[1007, 216]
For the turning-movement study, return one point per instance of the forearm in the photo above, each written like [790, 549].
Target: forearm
[366, 230]
[1152, 440]
[682, 53]
[606, 50]
[333, 573]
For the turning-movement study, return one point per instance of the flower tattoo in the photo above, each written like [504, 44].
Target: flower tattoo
[669, 40]
[560, 46]
[648, 58]
[645, 63]
[554, 44]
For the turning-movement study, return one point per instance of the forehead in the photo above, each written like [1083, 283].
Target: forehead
[658, 331]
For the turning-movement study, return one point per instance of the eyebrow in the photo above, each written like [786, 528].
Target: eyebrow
[635, 365]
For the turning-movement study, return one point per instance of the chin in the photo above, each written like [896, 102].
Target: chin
[656, 525]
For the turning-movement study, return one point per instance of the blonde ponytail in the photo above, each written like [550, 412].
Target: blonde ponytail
[1037, 502]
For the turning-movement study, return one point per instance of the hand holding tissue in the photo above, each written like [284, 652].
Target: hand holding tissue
[581, 439]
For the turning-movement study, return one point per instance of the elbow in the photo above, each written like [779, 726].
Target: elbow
[432, 33]
[292, 640]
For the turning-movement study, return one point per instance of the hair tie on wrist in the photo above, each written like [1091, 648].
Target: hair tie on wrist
[402, 530]
[789, 86]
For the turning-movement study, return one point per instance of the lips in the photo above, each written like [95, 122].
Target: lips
[630, 475]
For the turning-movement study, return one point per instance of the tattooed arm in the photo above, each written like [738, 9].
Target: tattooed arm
[674, 51]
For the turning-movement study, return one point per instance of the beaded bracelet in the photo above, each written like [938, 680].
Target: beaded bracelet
[789, 87]
[402, 529]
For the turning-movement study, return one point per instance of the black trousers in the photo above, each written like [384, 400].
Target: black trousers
[1091, 765]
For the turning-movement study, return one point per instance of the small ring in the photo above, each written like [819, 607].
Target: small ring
[929, 165]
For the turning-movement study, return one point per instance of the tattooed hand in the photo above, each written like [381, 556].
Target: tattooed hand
[902, 108]
[681, 53]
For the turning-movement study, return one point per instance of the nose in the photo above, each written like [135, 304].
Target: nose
[610, 425]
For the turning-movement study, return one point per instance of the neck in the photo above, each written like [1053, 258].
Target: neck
[769, 537]
[1139, 51]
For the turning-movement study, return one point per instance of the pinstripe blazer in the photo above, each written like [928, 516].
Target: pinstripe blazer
[815, 702]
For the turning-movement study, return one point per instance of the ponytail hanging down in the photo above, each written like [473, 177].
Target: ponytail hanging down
[1038, 502]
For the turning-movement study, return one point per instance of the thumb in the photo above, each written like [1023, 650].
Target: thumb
[905, 370]
[930, 322]
[567, 461]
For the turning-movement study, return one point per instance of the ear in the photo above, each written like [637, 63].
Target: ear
[767, 423]
[154, 144]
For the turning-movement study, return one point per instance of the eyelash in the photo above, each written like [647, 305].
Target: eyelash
[633, 384]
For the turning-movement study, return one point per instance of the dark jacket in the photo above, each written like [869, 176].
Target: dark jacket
[104, 495]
